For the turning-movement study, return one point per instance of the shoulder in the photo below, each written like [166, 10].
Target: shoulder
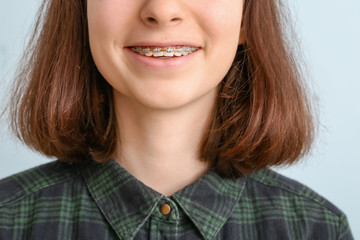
[32, 181]
[275, 185]
[287, 206]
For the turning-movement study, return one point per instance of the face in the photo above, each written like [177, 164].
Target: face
[164, 53]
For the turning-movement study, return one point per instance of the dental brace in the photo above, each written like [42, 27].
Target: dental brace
[164, 52]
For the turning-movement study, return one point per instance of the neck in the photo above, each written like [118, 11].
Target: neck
[161, 147]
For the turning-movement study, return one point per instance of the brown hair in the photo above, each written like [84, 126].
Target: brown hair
[63, 107]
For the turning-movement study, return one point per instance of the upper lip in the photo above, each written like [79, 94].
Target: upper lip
[163, 44]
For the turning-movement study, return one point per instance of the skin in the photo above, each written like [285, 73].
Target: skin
[163, 109]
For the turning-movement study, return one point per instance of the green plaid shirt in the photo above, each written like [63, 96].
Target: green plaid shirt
[103, 201]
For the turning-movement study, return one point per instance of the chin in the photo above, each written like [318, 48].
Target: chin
[172, 100]
[165, 102]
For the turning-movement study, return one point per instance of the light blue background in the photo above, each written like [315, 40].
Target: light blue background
[330, 32]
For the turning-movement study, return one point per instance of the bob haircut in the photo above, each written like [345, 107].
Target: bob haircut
[62, 107]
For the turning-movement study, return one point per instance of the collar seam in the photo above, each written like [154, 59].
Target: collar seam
[93, 196]
[233, 207]
[207, 236]
[133, 234]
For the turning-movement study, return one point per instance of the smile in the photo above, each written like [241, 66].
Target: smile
[164, 52]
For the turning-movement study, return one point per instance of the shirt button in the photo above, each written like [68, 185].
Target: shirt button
[165, 209]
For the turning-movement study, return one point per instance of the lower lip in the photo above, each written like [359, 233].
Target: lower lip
[161, 64]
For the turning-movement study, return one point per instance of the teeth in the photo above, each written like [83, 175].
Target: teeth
[158, 54]
[166, 52]
[179, 52]
[169, 54]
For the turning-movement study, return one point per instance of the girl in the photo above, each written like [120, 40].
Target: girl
[164, 116]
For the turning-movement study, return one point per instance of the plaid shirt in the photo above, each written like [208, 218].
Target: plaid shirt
[103, 201]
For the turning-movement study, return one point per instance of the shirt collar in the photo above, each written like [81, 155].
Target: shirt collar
[209, 201]
[127, 203]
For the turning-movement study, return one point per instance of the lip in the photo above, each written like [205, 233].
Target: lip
[163, 44]
[161, 64]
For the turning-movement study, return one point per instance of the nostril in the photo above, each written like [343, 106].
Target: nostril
[175, 19]
[151, 20]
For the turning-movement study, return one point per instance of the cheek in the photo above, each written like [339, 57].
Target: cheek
[221, 23]
[97, 20]
[223, 31]
[220, 17]
[106, 18]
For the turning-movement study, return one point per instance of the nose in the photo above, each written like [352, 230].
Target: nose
[160, 13]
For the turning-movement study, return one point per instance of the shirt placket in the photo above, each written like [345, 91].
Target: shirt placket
[164, 221]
